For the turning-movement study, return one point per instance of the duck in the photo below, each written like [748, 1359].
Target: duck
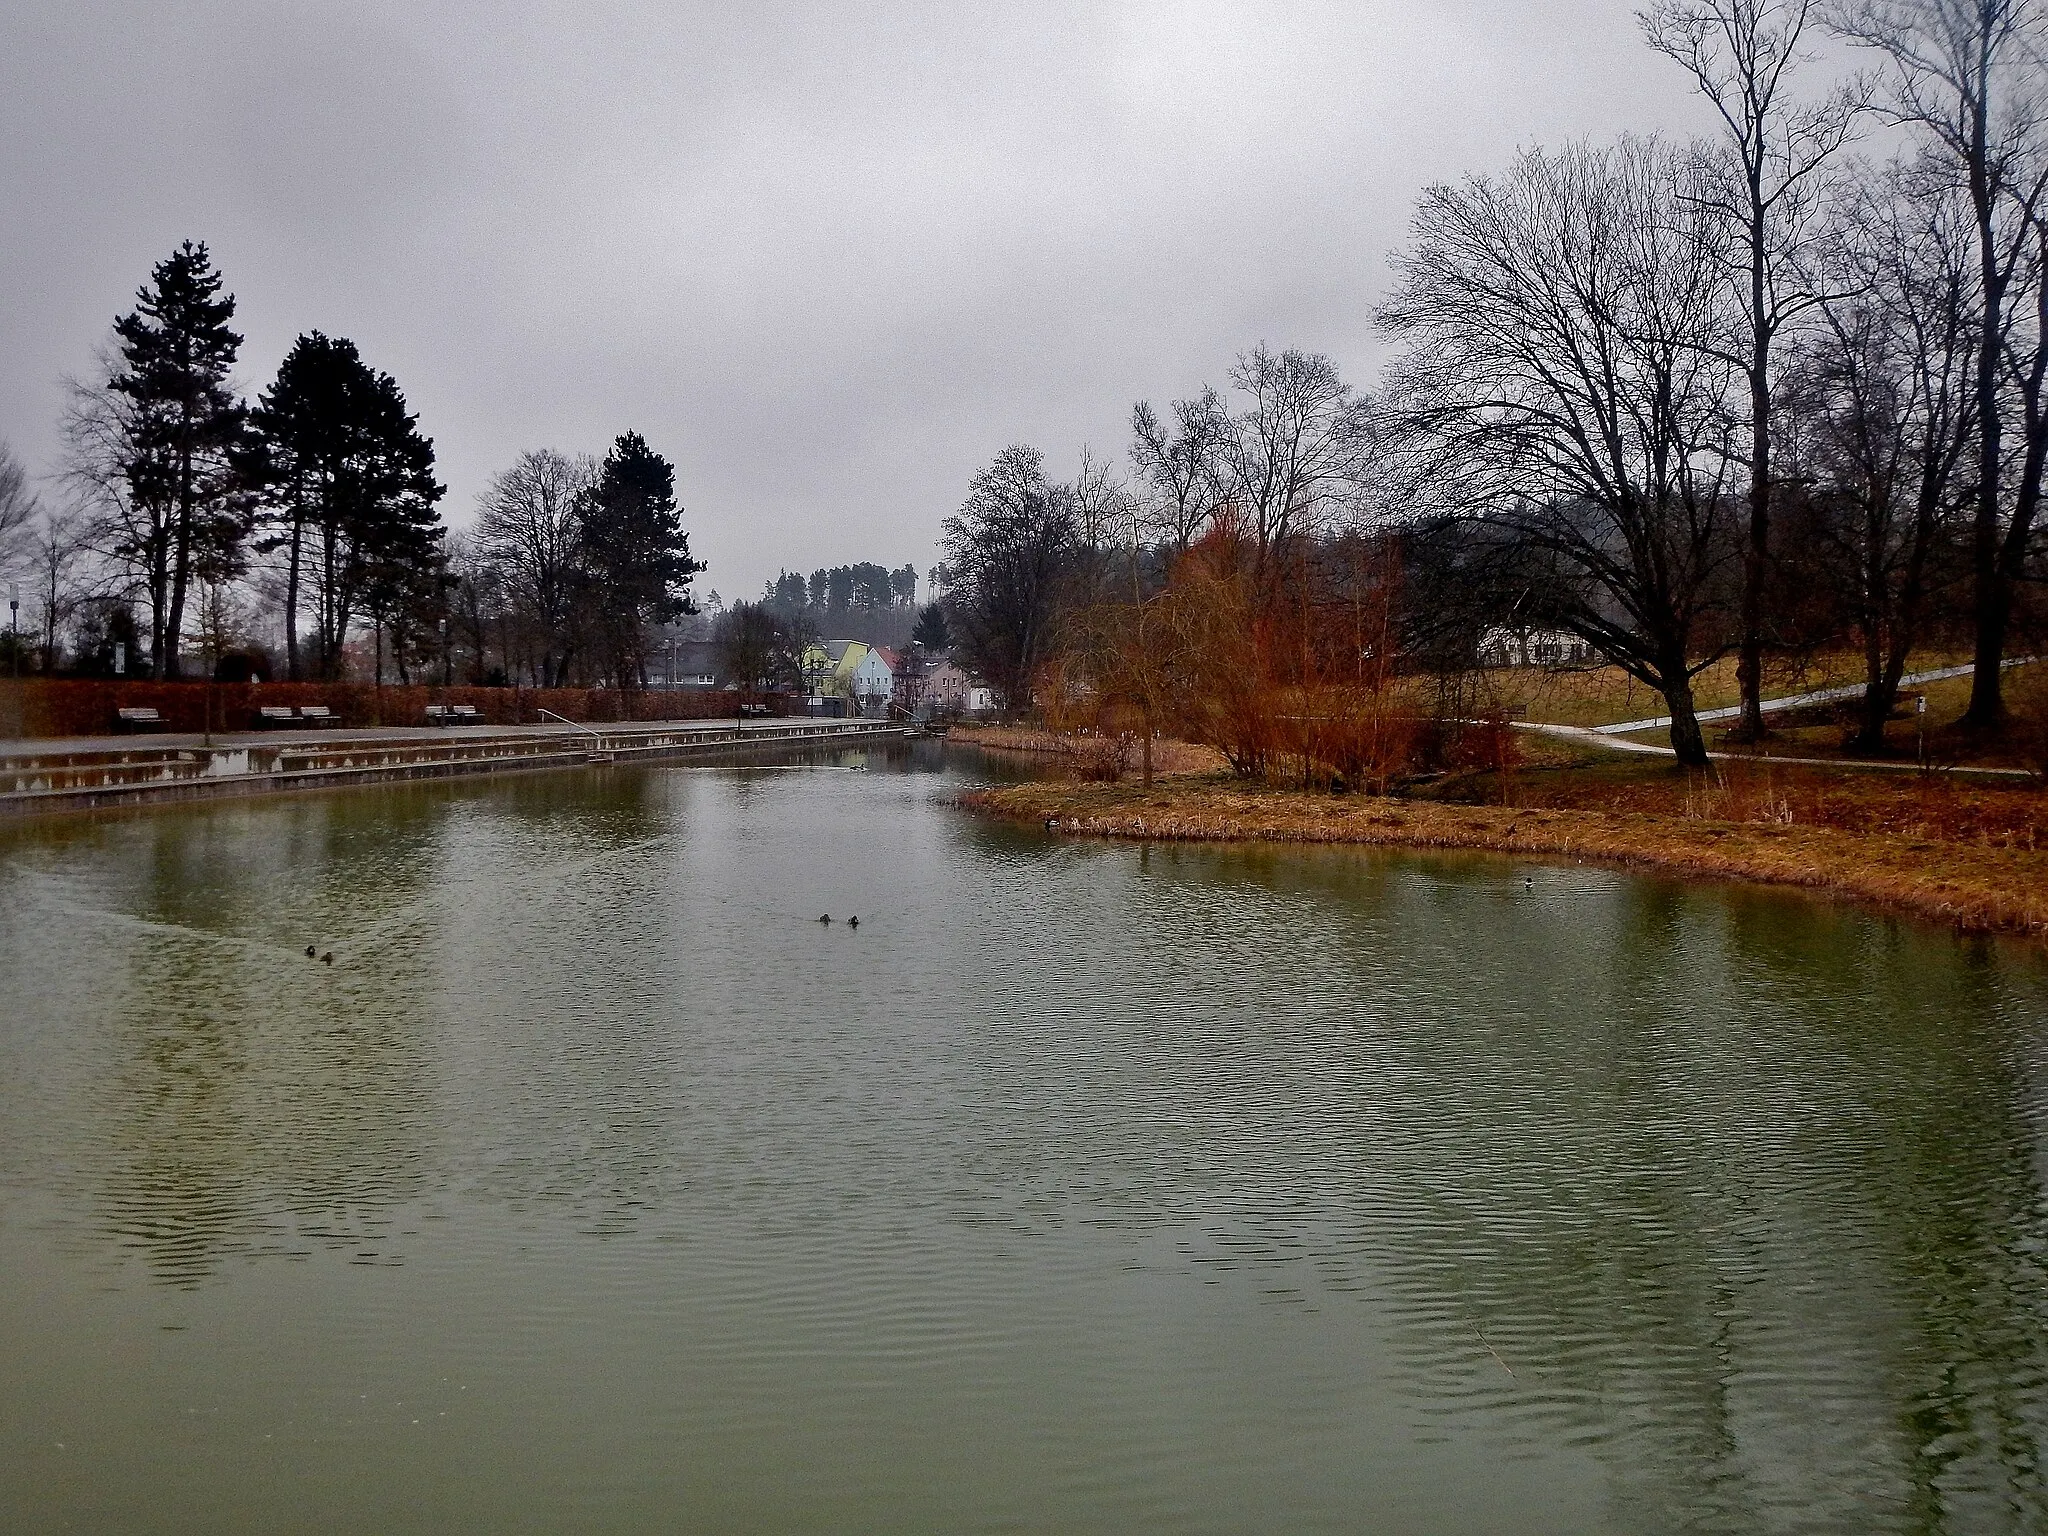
[311, 952]
[826, 918]
[328, 958]
[853, 922]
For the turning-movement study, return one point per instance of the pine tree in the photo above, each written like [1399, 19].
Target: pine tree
[349, 491]
[183, 428]
[931, 632]
[638, 556]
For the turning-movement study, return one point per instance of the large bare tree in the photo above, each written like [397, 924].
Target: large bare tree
[1010, 552]
[1766, 184]
[1292, 454]
[1879, 395]
[1966, 74]
[1560, 386]
[530, 527]
[1178, 467]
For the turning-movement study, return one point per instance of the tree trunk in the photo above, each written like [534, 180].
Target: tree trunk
[1749, 666]
[1987, 705]
[181, 565]
[291, 601]
[1687, 740]
[2008, 556]
[174, 626]
[159, 597]
[1987, 681]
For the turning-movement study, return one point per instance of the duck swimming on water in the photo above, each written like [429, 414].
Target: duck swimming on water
[853, 922]
[826, 918]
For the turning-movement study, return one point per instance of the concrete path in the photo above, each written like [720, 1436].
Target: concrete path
[1797, 700]
[1600, 736]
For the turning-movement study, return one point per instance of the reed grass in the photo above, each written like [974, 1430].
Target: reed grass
[1922, 859]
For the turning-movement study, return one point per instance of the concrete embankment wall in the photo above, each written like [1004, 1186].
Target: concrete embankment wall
[40, 708]
[34, 782]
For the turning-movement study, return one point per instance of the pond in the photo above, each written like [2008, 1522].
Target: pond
[595, 1184]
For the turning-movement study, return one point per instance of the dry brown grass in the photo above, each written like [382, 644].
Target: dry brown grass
[1955, 855]
[1170, 759]
[1935, 806]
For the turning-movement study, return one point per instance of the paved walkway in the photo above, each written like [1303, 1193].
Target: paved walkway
[1600, 736]
[49, 746]
[1798, 700]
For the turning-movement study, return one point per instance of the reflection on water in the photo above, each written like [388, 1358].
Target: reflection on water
[597, 1184]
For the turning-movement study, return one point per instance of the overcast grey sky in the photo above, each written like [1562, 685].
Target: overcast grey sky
[827, 258]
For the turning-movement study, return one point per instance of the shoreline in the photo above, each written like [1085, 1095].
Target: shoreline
[127, 772]
[1975, 889]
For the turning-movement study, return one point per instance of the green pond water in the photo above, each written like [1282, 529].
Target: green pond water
[597, 1186]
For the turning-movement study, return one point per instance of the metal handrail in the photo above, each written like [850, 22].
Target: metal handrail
[578, 724]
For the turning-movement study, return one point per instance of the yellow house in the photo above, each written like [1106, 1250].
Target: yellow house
[829, 666]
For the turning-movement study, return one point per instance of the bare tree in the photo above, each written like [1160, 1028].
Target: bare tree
[1560, 383]
[1178, 467]
[130, 532]
[55, 547]
[1009, 552]
[1767, 186]
[1103, 507]
[475, 600]
[1966, 75]
[1293, 454]
[18, 503]
[529, 526]
[1885, 418]
[757, 649]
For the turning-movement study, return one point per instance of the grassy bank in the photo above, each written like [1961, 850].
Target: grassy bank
[1169, 758]
[1973, 858]
[1606, 696]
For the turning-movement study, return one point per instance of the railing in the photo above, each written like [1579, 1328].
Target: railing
[577, 724]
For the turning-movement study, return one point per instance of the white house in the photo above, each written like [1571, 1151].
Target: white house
[1534, 648]
[873, 681]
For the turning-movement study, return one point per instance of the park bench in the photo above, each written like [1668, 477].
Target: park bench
[755, 712]
[132, 717]
[274, 715]
[315, 714]
[453, 714]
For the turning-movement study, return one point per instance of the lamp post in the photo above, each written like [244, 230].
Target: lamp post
[14, 623]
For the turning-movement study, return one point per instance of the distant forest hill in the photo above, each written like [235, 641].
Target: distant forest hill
[864, 602]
